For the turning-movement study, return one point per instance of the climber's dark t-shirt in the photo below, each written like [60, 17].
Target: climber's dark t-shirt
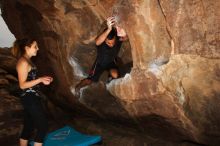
[106, 54]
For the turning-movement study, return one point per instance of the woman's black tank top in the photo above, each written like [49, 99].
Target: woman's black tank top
[32, 75]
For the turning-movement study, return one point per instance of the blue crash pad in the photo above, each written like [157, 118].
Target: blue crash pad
[68, 136]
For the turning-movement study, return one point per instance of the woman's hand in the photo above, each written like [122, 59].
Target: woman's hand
[46, 80]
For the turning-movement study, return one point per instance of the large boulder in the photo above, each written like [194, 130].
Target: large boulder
[170, 83]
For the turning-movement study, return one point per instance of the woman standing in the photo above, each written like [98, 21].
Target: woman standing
[34, 115]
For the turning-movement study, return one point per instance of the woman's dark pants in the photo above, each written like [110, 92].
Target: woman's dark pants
[34, 118]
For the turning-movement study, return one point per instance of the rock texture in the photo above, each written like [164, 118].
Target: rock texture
[170, 87]
[182, 95]
[193, 26]
[10, 107]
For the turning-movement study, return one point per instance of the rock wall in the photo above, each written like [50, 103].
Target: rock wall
[172, 90]
[193, 26]
[10, 107]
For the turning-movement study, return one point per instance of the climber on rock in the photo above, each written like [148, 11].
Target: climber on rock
[108, 45]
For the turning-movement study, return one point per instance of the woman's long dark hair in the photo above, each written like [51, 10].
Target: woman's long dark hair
[19, 45]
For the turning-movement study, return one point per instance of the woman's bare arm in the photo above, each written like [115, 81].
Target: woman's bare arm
[23, 68]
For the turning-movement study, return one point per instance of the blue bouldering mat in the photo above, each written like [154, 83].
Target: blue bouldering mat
[68, 136]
